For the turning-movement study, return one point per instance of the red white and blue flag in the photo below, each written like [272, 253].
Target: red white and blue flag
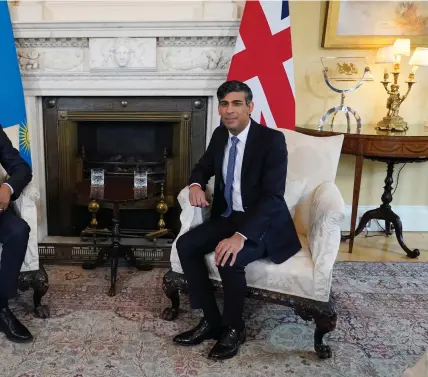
[263, 59]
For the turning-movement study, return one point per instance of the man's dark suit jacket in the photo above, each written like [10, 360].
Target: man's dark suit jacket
[264, 169]
[19, 171]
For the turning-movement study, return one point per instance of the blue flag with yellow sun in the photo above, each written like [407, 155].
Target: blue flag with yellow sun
[13, 118]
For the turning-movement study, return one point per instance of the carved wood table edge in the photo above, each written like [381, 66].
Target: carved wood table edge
[390, 148]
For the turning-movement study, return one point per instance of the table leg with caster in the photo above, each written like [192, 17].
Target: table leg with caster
[399, 234]
[385, 212]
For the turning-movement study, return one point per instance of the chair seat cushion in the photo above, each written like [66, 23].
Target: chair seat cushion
[294, 277]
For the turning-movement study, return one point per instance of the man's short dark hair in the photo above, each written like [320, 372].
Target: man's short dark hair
[233, 87]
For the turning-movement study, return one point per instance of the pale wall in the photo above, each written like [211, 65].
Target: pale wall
[123, 10]
[313, 98]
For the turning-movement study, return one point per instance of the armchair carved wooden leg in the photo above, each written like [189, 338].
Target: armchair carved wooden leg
[173, 283]
[39, 282]
[325, 316]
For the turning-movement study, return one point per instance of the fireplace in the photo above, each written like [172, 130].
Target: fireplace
[78, 94]
[164, 136]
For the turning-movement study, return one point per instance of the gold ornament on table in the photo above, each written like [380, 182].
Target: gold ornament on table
[393, 122]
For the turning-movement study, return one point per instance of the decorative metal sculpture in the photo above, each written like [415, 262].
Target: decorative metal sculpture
[346, 69]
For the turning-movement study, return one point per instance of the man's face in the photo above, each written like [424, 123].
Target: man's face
[234, 111]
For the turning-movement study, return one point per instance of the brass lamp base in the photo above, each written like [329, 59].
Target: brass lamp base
[392, 124]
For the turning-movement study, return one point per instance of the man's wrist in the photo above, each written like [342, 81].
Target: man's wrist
[9, 187]
[240, 234]
[194, 184]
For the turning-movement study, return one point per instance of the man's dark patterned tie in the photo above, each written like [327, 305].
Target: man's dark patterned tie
[229, 177]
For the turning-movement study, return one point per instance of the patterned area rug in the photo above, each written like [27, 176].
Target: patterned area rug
[382, 329]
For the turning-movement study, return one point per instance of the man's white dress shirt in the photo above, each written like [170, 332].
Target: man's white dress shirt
[236, 186]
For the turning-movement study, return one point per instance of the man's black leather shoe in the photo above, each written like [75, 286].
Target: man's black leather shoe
[228, 344]
[197, 335]
[15, 331]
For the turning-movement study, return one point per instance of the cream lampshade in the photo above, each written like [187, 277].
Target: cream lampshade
[385, 55]
[418, 59]
[401, 47]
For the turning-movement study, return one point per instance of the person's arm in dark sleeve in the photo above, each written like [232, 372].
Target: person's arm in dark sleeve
[19, 172]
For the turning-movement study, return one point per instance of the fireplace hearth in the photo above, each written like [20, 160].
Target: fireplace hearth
[164, 136]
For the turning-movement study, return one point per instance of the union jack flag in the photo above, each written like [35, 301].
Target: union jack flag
[263, 59]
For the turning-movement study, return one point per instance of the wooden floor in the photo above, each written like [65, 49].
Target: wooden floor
[378, 247]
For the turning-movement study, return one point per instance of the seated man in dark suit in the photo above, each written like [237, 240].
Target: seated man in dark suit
[14, 234]
[249, 218]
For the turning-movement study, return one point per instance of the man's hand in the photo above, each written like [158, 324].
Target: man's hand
[5, 194]
[227, 247]
[197, 197]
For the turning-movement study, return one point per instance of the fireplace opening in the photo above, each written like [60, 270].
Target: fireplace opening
[162, 136]
[120, 148]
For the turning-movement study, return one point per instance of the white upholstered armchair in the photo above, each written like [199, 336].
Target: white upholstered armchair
[304, 281]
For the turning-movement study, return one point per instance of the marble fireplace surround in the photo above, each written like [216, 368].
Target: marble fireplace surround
[173, 58]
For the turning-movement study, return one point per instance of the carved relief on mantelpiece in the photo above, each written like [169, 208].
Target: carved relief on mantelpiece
[195, 53]
[66, 59]
[185, 59]
[43, 55]
[120, 53]
[45, 60]
[134, 55]
[29, 59]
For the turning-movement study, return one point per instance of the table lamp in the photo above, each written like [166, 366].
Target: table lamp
[393, 122]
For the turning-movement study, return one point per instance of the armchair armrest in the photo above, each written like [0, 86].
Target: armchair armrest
[190, 216]
[327, 213]
[25, 207]
[28, 197]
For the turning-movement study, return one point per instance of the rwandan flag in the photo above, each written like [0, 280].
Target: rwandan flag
[12, 106]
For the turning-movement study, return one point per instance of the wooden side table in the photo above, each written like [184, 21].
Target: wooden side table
[391, 148]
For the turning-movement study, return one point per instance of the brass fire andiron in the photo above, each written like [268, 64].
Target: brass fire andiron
[162, 209]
